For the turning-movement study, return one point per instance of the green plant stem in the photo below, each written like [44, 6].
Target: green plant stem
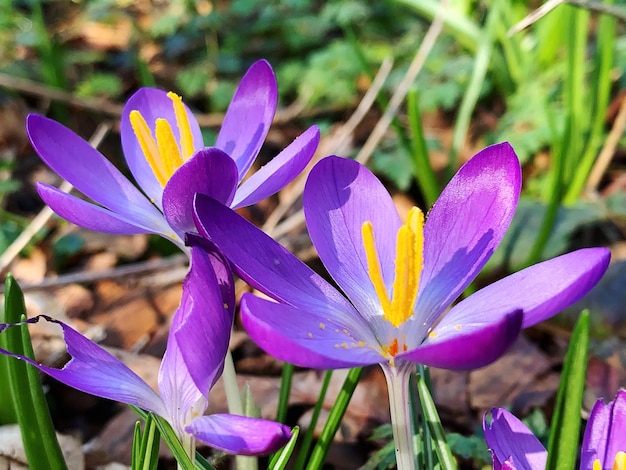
[400, 408]
[334, 419]
[308, 436]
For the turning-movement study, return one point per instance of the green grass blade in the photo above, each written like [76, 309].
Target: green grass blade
[479, 72]
[565, 426]
[150, 443]
[601, 84]
[279, 459]
[422, 168]
[308, 436]
[285, 390]
[136, 451]
[38, 434]
[429, 410]
[334, 419]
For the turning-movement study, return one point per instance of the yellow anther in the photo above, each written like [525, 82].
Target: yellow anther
[408, 267]
[168, 149]
[182, 121]
[373, 266]
[322, 326]
[620, 461]
[147, 143]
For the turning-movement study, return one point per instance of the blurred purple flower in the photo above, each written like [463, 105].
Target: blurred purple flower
[514, 447]
[193, 361]
[166, 155]
[397, 280]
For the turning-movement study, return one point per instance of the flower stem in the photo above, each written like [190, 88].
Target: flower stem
[400, 407]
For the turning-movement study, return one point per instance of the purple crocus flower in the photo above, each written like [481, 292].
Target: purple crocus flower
[513, 446]
[193, 361]
[397, 280]
[164, 150]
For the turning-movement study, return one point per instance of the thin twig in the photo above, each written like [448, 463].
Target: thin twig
[161, 265]
[403, 88]
[607, 152]
[114, 110]
[42, 218]
[550, 5]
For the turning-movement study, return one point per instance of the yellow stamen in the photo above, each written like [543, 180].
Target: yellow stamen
[182, 121]
[168, 149]
[620, 461]
[148, 145]
[408, 268]
[373, 265]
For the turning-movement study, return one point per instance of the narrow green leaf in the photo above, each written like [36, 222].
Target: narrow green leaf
[285, 390]
[279, 459]
[150, 443]
[429, 410]
[422, 168]
[136, 451]
[565, 426]
[38, 434]
[308, 436]
[334, 419]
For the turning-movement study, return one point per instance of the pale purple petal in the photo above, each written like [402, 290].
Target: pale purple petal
[210, 171]
[307, 338]
[265, 264]
[93, 370]
[152, 104]
[240, 435]
[179, 392]
[280, 171]
[541, 291]
[510, 440]
[75, 160]
[249, 116]
[466, 224]
[205, 317]
[605, 434]
[340, 195]
[88, 215]
[467, 346]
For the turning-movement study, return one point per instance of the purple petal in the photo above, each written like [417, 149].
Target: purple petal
[249, 116]
[240, 435]
[178, 390]
[152, 104]
[466, 224]
[78, 162]
[87, 215]
[93, 370]
[264, 263]
[340, 195]
[467, 346]
[210, 171]
[205, 317]
[540, 291]
[510, 441]
[605, 434]
[280, 171]
[306, 338]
